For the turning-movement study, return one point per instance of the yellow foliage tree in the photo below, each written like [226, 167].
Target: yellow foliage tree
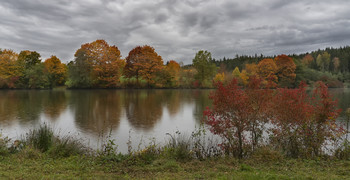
[244, 77]
[9, 68]
[267, 70]
[219, 77]
[57, 71]
[236, 73]
[174, 69]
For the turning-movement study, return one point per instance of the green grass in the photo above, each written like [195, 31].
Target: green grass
[43, 155]
[43, 166]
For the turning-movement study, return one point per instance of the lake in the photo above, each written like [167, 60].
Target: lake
[91, 115]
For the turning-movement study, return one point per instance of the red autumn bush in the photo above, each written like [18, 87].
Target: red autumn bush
[300, 124]
[237, 112]
[303, 123]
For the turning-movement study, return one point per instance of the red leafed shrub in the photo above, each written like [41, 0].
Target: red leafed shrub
[237, 112]
[302, 122]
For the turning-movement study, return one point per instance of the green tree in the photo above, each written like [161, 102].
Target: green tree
[80, 71]
[37, 77]
[326, 59]
[27, 60]
[319, 62]
[205, 67]
[30, 58]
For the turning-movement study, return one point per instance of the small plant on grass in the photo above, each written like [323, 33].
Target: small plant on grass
[44, 140]
[109, 152]
[4, 141]
[146, 155]
[202, 146]
[41, 138]
[179, 147]
[67, 146]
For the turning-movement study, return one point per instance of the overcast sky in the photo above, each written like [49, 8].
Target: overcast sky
[176, 29]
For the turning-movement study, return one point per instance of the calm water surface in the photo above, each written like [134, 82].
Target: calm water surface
[93, 114]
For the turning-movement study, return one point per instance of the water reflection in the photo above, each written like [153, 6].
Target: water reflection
[54, 103]
[143, 108]
[343, 97]
[96, 111]
[24, 107]
[93, 112]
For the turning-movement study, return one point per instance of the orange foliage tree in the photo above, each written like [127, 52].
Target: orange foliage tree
[267, 70]
[56, 70]
[307, 60]
[105, 62]
[173, 68]
[9, 68]
[143, 62]
[286, 70]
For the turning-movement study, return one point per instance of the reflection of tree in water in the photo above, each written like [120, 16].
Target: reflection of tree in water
[96, 110]
[24, 106]
[54, 103]
[144, 108]
[8, 106]
[201, 98]
[343, 97]
[175, 99]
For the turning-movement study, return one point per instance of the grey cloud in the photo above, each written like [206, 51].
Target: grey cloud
[177, 29]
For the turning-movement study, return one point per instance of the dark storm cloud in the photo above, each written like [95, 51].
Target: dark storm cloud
[176, 29]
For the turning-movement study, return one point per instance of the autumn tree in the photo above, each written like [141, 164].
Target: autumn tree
[96, 64]
[205, 67]
[319, 62]
[323, 61]
[251, 69]
[326, 59]
[9, 69]
[219, 77]
[57, 71]
[236, 73]
[307, 60]
[244, 77]
[285, 70]
[267, 70]
[187, 77]
[174, 70]
[336, 64]
[143, 62]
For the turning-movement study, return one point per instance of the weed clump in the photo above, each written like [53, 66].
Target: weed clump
[44, 140]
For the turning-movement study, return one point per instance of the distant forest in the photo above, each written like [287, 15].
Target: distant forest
[99, 65]
[331, 65]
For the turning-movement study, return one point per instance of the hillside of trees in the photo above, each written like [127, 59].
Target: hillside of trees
[99, 65]
[331, 65]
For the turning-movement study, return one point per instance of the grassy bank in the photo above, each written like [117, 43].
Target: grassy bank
[40, 154]
[18, 166]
